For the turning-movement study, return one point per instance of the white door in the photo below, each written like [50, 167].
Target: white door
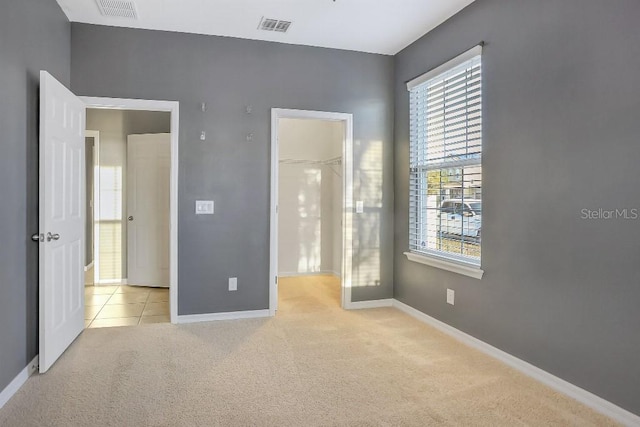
[62, 215]
[148, 176]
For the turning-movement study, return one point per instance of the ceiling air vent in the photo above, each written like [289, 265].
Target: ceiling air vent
[282, 26]
[269, 24]
[118, 8]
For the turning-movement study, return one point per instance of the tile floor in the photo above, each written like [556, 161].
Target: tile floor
[122, 305]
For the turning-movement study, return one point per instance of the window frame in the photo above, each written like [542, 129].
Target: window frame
[437, 258]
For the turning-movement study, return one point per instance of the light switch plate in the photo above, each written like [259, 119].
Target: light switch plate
[204, 207]
[233, 283]
[451, 295]
[359, 206]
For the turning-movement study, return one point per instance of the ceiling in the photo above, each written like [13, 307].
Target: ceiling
[375, 26]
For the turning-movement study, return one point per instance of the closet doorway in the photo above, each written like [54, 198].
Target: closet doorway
[311, 207]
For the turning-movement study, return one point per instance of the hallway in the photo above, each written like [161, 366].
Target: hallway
[122, 305]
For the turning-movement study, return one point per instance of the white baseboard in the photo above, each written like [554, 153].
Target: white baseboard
[583, 396]
[231, 315]
[108, 282]
[376, 303]
[18, 381]
[313, 273]
[111, 282]
[88, 267]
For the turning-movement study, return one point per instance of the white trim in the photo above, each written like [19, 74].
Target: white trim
[88, 267]
[273, 217]
[474, 51]
[96, 201]
[376, 303]
[231, 315]
[172, 107]
[15, 384]
[314, 273]
[109, 282]
[456, 267]
[581, 395]
[347, 194]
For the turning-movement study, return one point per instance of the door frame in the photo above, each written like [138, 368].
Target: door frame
[172, 107]
[347, 199]
[96, 200]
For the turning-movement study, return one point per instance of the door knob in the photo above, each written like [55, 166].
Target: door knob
[130, 218]
[51, 237]
[37, 237]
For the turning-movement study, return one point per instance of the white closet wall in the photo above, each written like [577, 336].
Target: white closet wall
[310, 197]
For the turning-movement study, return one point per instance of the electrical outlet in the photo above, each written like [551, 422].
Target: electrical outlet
[233, 283]
[451, 295]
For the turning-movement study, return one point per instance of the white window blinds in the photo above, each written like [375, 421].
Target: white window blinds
[108, 225]
[445, 207]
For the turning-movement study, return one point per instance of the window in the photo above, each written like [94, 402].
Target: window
[445, 195]
[108, 225]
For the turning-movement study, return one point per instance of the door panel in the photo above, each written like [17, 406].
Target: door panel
[61, 212]
[148, 224]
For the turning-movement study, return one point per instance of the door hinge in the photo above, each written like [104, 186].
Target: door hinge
[276, 280]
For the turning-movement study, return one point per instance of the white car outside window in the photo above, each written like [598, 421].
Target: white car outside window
[461, 218]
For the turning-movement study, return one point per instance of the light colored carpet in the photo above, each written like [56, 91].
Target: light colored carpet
[312, 365]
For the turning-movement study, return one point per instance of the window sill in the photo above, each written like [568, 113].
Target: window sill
[466, 270]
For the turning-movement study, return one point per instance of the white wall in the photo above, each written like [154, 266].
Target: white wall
[114, 126]
[310, 197]
[336, 217]
[336, 196]
[88, 241]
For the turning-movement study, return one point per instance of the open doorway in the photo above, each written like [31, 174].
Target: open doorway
[311, 207]
[62, 222]
[129, 231]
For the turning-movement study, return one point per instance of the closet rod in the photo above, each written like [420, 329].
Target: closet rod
[333, 161]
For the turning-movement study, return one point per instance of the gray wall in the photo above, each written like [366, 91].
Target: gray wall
[34, 35]
[561, 108]
[230, 74]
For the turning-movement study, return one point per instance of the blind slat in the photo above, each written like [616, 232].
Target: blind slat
[445, 179]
